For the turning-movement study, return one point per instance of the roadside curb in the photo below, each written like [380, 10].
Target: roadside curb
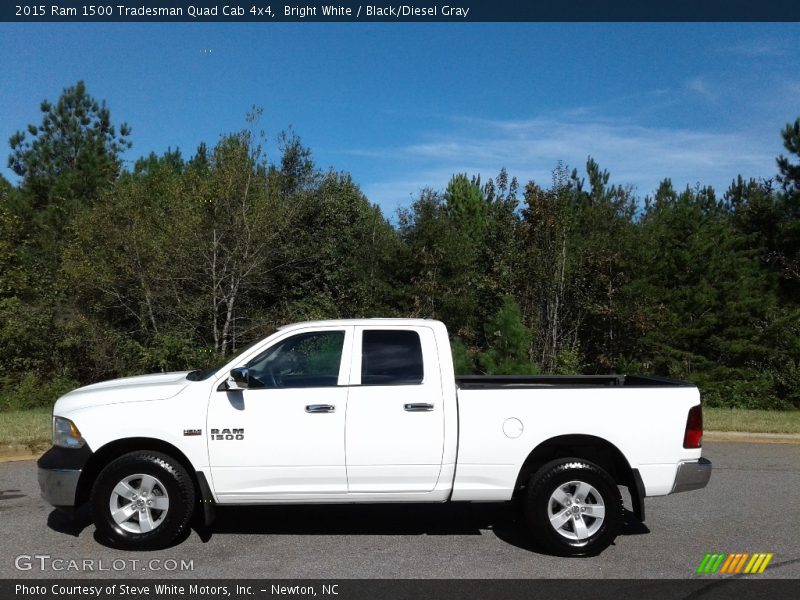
[751, 438]
[12, 456]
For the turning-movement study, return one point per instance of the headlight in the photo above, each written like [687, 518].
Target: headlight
[65, 434]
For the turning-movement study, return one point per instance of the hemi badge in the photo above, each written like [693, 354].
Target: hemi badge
[192, 432]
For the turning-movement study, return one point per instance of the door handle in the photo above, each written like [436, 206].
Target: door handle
[320, 408]
[418, 407]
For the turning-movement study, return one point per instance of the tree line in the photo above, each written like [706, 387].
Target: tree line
[176, 262]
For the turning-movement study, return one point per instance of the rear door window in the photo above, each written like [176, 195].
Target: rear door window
[391, 357]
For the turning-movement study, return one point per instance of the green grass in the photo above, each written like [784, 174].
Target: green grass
[25, 429]
[30, 429]
[752, 421]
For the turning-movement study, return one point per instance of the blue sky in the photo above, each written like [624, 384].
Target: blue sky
[404, 106]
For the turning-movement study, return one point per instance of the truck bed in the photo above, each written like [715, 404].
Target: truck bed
[493, 382]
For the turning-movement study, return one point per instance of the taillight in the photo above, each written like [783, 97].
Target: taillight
[693, 438]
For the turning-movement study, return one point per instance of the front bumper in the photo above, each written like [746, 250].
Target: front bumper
[59, 486]
[59, 474]
[692, 476]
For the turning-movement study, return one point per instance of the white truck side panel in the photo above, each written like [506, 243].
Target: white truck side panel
[163, 420]
[489, 460]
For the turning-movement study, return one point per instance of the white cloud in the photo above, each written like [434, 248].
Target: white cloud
[757, 48]
[634, 155]
[699, 86]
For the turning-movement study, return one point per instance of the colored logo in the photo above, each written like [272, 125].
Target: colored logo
[731, 564]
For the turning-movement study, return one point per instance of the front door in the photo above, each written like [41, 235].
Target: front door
[283, 436]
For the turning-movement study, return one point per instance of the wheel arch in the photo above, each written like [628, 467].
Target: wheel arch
[588, 447]
[113, 450]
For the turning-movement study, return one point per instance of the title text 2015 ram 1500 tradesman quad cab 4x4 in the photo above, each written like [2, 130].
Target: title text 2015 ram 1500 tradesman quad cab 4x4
[370, 411]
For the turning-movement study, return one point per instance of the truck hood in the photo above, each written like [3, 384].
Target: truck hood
[128, 389]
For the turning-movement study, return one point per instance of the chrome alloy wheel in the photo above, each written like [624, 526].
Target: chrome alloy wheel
[576, 510]
[139, 503]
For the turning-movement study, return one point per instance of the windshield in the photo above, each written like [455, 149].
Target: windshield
[202, 374]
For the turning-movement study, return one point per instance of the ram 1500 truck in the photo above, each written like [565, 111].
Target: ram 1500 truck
[369, 411]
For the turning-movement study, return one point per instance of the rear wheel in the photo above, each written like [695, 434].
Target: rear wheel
[573, 507]
[142, 500]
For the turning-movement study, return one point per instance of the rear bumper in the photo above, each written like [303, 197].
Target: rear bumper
[59, 473]
[692, 476]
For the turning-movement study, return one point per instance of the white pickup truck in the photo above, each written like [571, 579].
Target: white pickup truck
[370, 411]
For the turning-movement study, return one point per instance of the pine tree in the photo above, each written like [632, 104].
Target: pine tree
[72, 154]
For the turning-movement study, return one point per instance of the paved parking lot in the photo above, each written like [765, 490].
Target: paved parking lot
[751, 505]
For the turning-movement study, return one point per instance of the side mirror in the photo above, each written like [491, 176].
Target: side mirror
[240, 377]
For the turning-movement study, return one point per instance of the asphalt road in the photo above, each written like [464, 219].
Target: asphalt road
[752, 504]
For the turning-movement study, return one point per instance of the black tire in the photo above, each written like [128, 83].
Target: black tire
[566, 540]
[172, 483]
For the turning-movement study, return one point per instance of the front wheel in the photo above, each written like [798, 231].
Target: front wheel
[142, 500]
[573, 507]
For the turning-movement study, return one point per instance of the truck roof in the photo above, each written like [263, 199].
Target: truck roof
[370, 321]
